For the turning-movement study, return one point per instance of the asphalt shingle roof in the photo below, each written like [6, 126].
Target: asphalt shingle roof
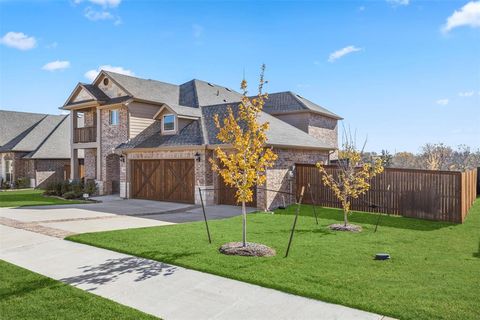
[289, 102]
[56, 145]
[47, 138]
[146, 89]
[37, 135]
[15, 125]
[280, 133]
[151, 137]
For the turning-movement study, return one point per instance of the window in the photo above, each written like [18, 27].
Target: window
[9, 170]
[114, 117]
[169, 122]
[105, 81]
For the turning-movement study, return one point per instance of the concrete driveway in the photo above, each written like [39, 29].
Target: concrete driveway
[112, 213]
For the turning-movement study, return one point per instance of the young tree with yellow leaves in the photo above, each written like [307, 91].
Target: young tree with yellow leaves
[353, 178]
[244, 166]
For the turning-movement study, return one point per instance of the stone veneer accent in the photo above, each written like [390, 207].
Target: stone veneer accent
[203, 172]
[279, 179]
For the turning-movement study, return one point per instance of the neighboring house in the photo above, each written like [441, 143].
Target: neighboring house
[34, 147]
[152, 140]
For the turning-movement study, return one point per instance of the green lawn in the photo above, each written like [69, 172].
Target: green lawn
[30, 197]
[434, 272]
[28, 295]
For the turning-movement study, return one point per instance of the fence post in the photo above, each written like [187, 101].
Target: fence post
[204, 215]
[295, 221]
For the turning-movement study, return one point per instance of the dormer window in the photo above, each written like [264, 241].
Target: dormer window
[168, 123]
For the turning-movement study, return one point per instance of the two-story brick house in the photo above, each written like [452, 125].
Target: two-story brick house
[152, 140]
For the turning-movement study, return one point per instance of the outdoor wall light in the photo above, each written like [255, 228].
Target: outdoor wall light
[291, 172]
[122, 158]
[197, 156]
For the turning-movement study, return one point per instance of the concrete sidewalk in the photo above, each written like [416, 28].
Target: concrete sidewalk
[166, 291]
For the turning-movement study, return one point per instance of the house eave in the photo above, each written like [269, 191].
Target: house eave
[305, 111]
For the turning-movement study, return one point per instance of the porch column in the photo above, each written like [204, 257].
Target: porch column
[99, 145]
[74, 164]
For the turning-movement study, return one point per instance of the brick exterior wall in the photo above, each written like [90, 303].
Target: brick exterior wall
[49, 170]
[111, 137]
[90, 163]
[324, 129]
[279, 179]
[89, 117]
[38, 171]
[20, 167]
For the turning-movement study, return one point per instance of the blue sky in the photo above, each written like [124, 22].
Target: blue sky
[402, 72]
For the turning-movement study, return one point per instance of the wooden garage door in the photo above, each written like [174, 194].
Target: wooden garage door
[163, 180]
[226, 195]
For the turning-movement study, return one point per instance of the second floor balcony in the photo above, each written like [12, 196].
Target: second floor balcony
[85, 134]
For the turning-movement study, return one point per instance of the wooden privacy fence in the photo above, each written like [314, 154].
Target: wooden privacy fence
[424, 194]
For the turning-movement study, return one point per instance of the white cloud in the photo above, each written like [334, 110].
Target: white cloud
[95, 15]
[399, 2]
[107, 3]
[92, 74]
[103, 3]
[56, 65]
[442, 102]
[466, 94]
[18, 40]
[342, 52]
[468, 15]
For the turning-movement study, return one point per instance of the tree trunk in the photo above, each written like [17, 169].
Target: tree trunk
[244, 215]
[345, 219]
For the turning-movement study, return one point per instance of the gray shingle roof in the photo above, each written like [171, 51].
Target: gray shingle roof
[193, 93]
[289, 102]
[280, 133]
[56, 145]
[151, 137]
[147, 89]
[15, 125]
[210, 94]
[96, 92]
[47, 138]
[37, 135]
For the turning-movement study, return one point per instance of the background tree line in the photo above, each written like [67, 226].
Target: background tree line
[432, 156]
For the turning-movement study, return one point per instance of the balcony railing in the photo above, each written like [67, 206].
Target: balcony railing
[86, 134]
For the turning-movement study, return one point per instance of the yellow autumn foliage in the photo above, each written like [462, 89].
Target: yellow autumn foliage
[244, 165]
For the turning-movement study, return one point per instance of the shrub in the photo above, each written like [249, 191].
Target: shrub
[22, 183]
[65, 187]
[76, 186]
[90, 187]
[72, 195]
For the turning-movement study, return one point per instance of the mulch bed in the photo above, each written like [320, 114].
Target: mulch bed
[348, 227]
[250, 250]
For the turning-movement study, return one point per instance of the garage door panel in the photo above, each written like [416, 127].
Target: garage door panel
[164, 180]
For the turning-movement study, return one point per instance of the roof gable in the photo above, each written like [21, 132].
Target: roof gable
[38, 134]
[15, 125]
[57, 143]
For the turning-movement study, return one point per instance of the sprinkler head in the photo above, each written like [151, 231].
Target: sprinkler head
[382, 256]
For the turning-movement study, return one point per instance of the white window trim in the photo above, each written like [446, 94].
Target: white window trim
[174, 123]
[110, 117]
